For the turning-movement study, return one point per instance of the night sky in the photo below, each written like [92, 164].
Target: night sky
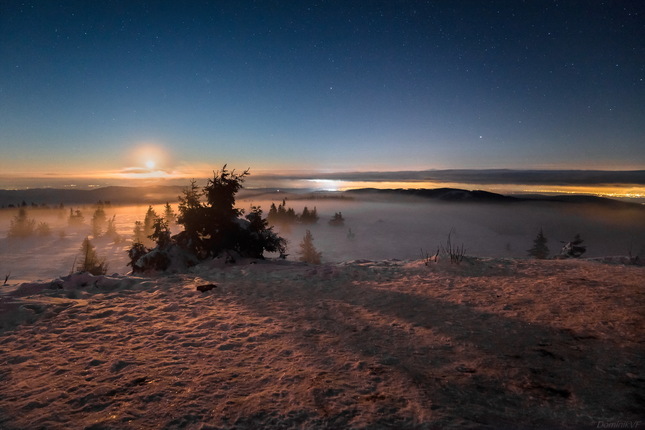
[114, 87]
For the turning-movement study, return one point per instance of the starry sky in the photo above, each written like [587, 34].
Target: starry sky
[171, 89]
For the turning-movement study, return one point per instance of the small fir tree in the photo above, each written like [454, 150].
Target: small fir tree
[337, 220]
[98, 220]
[110, 230]
[90, 261]
[539, 250]
[169, 214]
[137, 232]
[21, 225]
[308, 252]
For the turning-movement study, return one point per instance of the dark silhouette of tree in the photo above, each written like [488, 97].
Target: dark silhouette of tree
[259, 237]
[211, 228]
[282, 215]
[160, 233]
[192, 216]
[222, 231]
[337, 220]
[308, 252]
[148, 221]
[539, 250]
[309, 217]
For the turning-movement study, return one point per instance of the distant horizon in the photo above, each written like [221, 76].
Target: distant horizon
[628, 184]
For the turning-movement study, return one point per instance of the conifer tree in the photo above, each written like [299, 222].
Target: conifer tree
[90, 262]
[308, 252]
[539, 250]
[76, 217]
[160, 233]
[110, 230]
[98, 220]
[337, 220]
[169, 214]
[21, 225]
[148, 221]
[137, 232]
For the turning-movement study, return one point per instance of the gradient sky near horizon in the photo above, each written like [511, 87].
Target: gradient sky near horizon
[135, 87]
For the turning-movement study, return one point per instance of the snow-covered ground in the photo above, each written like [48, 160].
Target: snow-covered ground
[488, 343]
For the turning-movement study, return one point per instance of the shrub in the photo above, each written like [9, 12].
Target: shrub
[43, 229]
[573, 249]
[455, 252]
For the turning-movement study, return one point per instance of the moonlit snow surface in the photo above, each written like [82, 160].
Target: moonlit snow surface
[487, 343]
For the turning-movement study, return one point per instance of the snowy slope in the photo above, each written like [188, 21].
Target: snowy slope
[488, 343]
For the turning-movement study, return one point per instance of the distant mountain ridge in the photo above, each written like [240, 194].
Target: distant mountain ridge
[480, 196]
[170, 193]
[112, 194]
[444, 194]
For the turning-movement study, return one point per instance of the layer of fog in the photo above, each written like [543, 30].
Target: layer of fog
[392, 229]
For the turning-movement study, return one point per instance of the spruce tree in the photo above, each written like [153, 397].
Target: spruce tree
[308, 252]
[169, 214]
[540, 250]
[90, 262]
[21, 225]
[137, 232]
[98, 220]
[148, 221]
[337, 220]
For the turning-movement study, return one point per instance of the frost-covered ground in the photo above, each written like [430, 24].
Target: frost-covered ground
[490, 343]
